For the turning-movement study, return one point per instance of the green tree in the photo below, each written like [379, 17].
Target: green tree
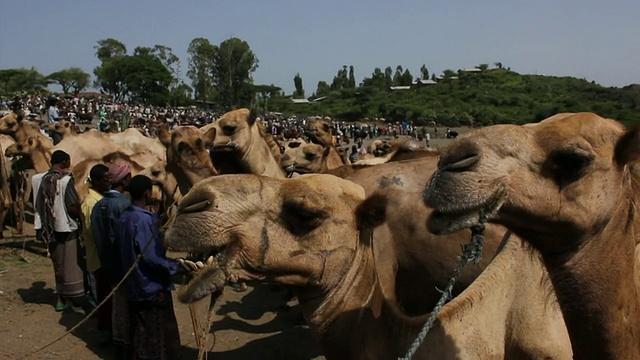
[397, 76]
[22, 79]
[265, 94]
[299, 92]
[234, 66]
[483, 67]
[72, 79]
[388, 77]
[406, 78]
[377, 80]
[341, 80]
[146, 78]
[323, 88]
[352, 79]
[424, 72]
[202, 58]
[140, 78]
[109, 48]
[447, 74]
[166, 56]
[181, 95]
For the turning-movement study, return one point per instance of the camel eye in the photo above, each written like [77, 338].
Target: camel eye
[570, 165]
[155, 173]
[301, 219]
[229, 129]
[183, 146]
[310, 156]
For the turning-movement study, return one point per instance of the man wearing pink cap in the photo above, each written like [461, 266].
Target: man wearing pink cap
[104, 218]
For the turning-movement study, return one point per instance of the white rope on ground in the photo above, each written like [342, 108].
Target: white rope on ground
[471, 252]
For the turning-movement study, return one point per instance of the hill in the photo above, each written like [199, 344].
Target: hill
[474, 99]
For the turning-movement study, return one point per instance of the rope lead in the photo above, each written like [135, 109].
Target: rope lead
[471, 252]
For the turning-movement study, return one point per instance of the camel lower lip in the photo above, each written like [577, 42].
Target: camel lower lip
[441, 222]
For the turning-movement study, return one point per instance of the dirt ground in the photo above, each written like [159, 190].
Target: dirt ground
[255, 324]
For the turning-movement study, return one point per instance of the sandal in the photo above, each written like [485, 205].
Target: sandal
[61, 305]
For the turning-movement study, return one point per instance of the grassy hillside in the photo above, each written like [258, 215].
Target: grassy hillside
[495, 96]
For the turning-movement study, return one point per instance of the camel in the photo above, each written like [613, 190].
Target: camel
[313, 234]
[141, 150]
[565, 186]
[241, 145]
[305, 158]
[40, 155]
[20, 130]
[319, 132]
[313, 158]
[187, 161]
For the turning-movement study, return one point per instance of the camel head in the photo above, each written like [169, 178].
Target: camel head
[307, 158]
[300, 232]
[567, 174]
[319, 132]
[10, 123]
[156, 172]
[234, 131]
[187, 152]
[63, 127]
[25, 148]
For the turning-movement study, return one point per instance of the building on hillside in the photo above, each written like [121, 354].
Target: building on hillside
[423, 82]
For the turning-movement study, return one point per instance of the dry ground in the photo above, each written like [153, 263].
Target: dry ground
[255, 324]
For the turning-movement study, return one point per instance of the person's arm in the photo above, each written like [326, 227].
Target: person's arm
[145, 230]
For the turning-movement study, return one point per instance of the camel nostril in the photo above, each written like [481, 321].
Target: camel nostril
[462, 163]
[460, 156]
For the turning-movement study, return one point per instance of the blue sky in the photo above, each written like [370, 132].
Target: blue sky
[590, 39]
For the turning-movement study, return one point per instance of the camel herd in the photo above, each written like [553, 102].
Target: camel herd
[366, 246]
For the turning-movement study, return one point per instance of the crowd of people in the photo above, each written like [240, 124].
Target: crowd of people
[94, 243]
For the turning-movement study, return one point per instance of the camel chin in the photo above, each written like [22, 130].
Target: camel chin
[446, 219]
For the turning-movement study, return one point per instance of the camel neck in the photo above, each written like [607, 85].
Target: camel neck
[353, 320]
[597, 290]
[41, 159]
[259, 160]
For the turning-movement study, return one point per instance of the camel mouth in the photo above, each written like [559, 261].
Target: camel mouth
[228, 146]
[456, 217]
[204, 275]
[290, 169]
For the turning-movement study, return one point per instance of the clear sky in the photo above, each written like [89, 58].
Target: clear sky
[593, 39]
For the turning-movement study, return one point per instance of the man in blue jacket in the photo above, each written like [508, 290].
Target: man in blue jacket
[155, 329]
[104, 217]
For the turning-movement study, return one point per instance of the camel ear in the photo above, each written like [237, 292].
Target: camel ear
[253, 115]
[326, 151]
[209, 136]
[165, 136]
[628, 147]
[372, 212]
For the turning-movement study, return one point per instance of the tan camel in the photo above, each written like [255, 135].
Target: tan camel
[241, 145]
[141, 150]
[40, 154]
[187, 160]
[305, 159]
[20, 130]
[319, 132]
[313, 234]
[564, 185]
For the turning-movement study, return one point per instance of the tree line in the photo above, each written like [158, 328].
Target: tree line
[221, 75]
